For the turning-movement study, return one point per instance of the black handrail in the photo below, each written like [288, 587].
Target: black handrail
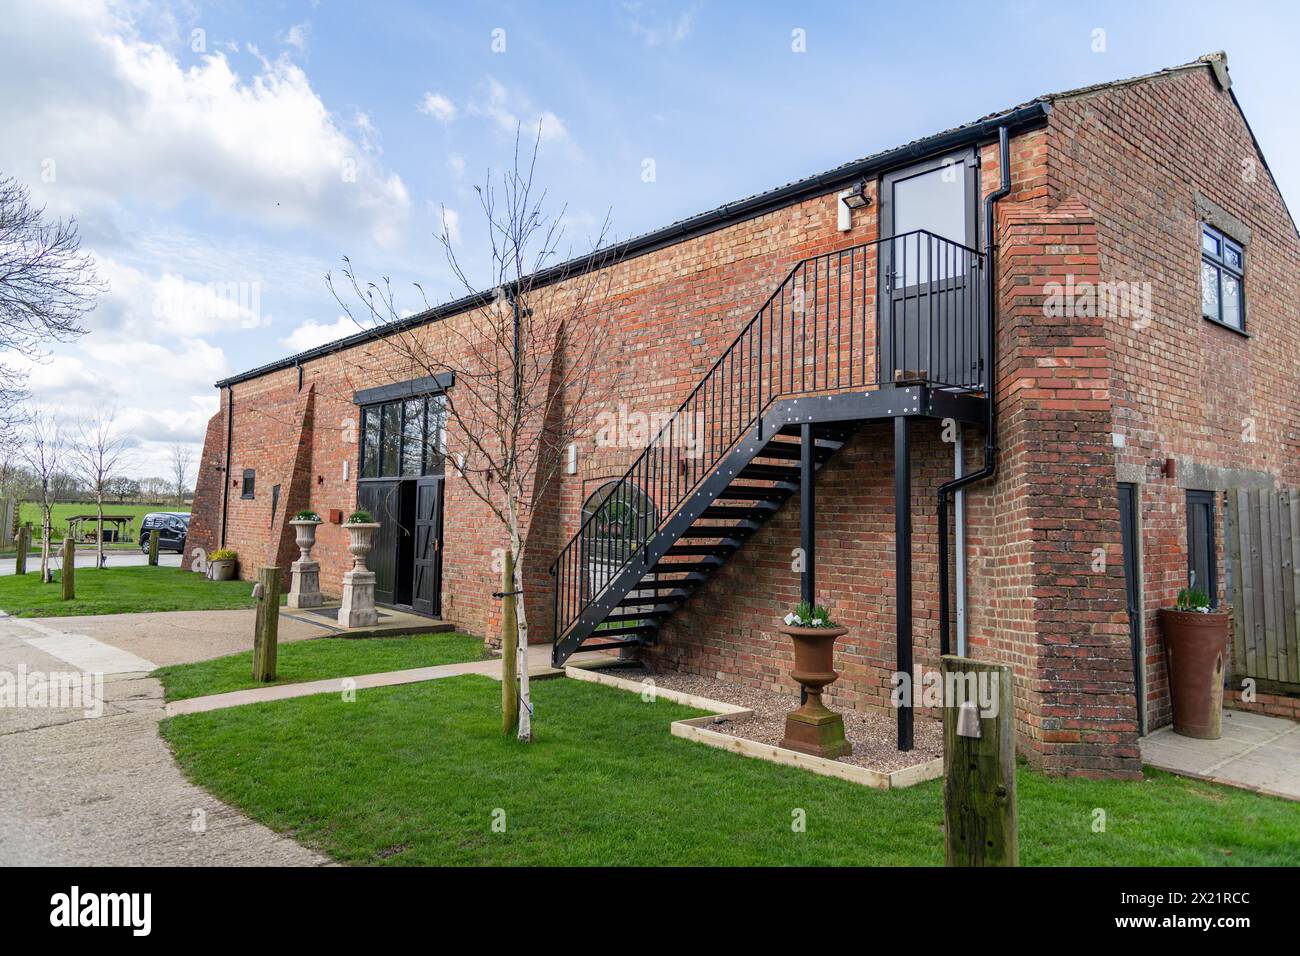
[926, 285]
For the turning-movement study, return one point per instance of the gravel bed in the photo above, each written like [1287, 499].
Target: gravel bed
[873, 735]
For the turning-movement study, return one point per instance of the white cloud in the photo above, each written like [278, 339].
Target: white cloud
[439, 107]
[511, 110]
[456, 164]
[656, 30]
[123, 119]
[162, 394]
[141, 306]
[311, 334]
[448, 222]
[297, 36]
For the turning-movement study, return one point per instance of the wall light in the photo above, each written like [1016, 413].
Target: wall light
[857, 198]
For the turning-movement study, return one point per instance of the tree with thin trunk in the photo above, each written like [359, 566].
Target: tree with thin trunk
[47, 285]
[43, 450]
[182, 465]
[524, 362]
[98, 453]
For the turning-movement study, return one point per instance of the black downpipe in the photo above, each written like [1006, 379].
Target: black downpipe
[990, 386]
[225, 478]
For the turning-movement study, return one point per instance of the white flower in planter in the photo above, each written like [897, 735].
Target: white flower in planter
[791, 620]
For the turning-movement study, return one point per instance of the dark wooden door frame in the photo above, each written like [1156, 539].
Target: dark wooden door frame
[382, 498]
[1206, 498]
[426, 596]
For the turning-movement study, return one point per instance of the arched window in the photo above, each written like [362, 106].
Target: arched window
[616, 519]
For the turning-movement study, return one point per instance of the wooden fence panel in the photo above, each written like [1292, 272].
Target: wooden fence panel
[1262, 532]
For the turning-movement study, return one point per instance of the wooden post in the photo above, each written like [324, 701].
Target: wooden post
[979, 790]
[153, 548]
[509, 649]
[67, 577]
[266, 629]
[24, 542]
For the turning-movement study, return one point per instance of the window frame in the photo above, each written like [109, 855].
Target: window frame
[1219, 263]
[431, 458]
[248, 485]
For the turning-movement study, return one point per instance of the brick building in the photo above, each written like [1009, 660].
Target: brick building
[1135, 261]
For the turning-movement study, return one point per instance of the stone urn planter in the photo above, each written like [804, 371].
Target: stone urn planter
[304, 583]
[358, 608]
[813, 728]
[1196, 648]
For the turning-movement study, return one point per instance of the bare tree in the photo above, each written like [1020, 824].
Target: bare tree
[182, 465]
[47, 285]
[97, 454]
[43, 451]
[524, 363]
[155, 488]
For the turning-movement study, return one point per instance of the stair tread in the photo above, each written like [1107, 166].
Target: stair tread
[702, 549]
[735, 492]
[652, 602]
[791, 451]
[769, 472]
[718, 531]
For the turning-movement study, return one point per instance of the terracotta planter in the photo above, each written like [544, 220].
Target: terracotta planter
[813, 728]
[1196, 647]
[221, 570]
[361, 538]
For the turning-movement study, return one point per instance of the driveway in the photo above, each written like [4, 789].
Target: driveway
[89, 781]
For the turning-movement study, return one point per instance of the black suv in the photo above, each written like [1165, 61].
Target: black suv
[171, 528]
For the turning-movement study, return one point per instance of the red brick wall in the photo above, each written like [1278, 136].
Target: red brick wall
[1047, 586]
[1184, 388]
[1105, 193]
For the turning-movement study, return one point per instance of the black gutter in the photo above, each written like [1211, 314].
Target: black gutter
[1020, 119]
[990, 386]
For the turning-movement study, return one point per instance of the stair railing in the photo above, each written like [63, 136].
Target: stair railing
[899, 309]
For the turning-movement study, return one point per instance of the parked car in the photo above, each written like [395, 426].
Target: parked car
[171, 528]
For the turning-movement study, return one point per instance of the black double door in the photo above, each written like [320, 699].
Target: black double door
[407, 556]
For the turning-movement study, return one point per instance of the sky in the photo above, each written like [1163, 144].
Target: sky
[221, 158]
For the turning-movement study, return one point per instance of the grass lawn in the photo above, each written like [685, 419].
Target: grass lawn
[414, 774]
[318, 659]
[121, 591]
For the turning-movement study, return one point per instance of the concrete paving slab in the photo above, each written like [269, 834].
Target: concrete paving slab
[1256, 752]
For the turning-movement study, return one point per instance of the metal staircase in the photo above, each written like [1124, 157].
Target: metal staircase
[881, 330]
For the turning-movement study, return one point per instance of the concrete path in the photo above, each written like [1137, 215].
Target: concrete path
[86, 559]
[158, 638]
[79, 789]
[1255, 753]
[539, 666]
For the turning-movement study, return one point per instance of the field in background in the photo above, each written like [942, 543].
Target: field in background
[31, 511]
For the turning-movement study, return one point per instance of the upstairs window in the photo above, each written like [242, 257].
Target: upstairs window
[403, 438]
[1223, 270]
[250, 480]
